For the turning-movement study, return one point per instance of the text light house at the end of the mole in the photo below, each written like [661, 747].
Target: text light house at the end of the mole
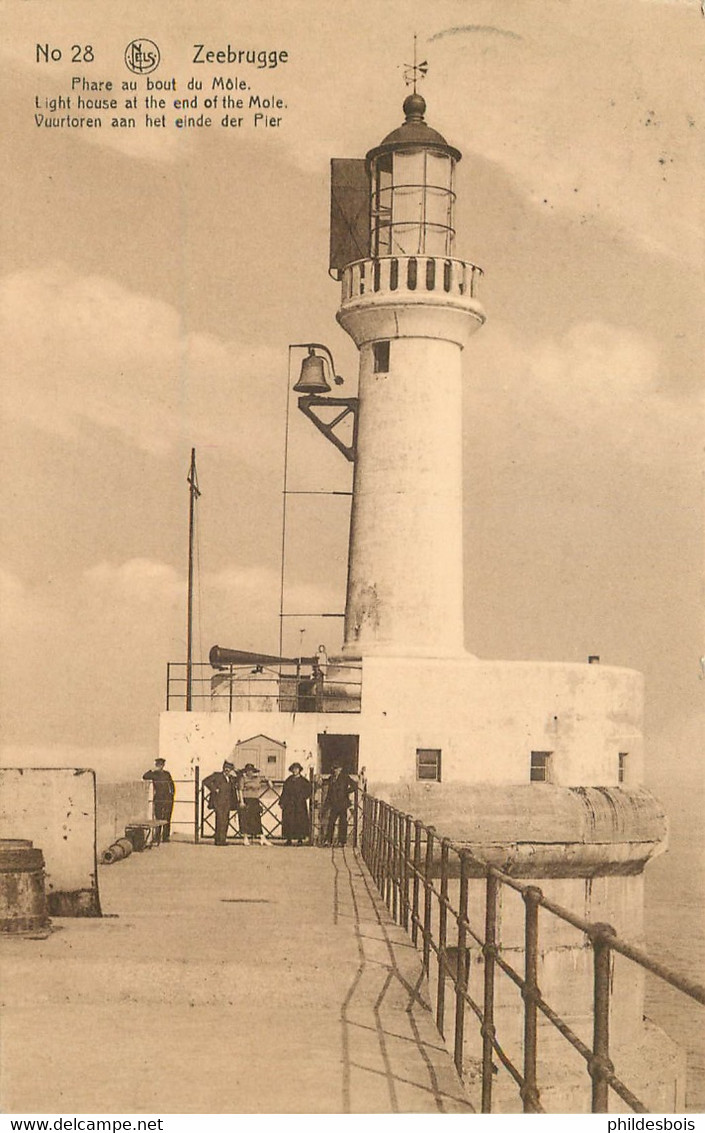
[410, 307]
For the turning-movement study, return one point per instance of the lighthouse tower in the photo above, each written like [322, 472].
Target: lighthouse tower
[410, 308]
[536, 767]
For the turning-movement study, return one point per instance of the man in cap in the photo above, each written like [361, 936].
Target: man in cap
[163, 792]
[223, 798]
[335, 807]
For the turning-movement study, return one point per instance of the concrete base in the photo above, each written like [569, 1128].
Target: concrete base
[538, 829]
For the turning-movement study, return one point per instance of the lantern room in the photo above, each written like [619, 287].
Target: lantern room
[411, 188]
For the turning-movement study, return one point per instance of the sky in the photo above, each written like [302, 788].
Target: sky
[154, 279]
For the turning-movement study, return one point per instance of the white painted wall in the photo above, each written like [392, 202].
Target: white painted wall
[405, 569]
[55, 808]
[485, 716]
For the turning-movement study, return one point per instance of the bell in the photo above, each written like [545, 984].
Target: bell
[312, 378]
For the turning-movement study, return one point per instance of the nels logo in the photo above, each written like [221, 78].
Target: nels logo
[142, 56]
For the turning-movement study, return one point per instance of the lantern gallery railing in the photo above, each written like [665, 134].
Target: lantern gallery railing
[410, 274]
[425, 881]
[261, 688]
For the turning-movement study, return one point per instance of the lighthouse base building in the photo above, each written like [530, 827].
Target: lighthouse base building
[535, 767]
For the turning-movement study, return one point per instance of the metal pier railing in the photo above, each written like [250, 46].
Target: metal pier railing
[412, 867]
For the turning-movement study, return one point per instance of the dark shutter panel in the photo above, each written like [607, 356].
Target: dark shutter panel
[349, 212]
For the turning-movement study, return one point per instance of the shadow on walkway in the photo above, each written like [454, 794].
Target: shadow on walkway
[224, 980]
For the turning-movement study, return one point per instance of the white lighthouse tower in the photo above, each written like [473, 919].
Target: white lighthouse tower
[536, 767]
[410, 308]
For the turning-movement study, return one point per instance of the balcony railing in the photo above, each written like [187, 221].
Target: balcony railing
[411, 275]
[414, 870]
[263, 689]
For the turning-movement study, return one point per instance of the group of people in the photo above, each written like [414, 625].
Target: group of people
[240, 791]
[230, 790]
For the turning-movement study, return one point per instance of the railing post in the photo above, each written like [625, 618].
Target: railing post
[530, 993]
[168, 683]
[489, 951]
[461, 979]
[356, 801]
[196, 804]
[442, 931]
[388, 886]
[600, 1064]
[365, 839]
[380, 848]
[407, 861]
[396, 871]
[428, 897]
[390, 858]
[418, 826]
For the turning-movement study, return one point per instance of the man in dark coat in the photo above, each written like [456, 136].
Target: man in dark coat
[223, 798]
[163, 792]
[293, 801]
[340, 787]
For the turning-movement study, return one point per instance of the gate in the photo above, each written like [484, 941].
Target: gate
[204, 825]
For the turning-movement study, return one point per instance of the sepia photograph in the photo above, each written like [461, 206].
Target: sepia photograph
[351, 561]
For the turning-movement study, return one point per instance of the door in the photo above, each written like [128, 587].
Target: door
[333, 749]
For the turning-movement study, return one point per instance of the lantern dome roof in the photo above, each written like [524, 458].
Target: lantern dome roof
[414, 133]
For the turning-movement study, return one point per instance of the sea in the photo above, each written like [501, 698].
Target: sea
[675, 935]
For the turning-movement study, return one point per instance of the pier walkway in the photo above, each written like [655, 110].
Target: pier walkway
[224, 980]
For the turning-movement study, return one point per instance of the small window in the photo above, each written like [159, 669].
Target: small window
[622, 767]
[381, 356]
[271, 759]
[428, 764]
[540, 767]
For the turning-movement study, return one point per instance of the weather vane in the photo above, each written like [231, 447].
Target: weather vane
[414, 72]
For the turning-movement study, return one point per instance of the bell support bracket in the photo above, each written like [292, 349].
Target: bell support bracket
[348, 405]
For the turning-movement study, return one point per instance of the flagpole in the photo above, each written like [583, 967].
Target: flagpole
[192, 481]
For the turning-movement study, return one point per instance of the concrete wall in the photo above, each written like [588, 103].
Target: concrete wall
[190, 739]
[118, 804]
[56, 809]
[485, 716]
[488, 716]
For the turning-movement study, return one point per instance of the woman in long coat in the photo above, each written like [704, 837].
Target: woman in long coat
[296, 792]
[252, 785]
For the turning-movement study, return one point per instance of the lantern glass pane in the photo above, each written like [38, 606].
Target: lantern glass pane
[408, 206]
[437, 202]
[409, 167]
[438, 170]
[437, 242]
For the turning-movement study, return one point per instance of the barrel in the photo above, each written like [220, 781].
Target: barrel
[23, 902]
[119, 850]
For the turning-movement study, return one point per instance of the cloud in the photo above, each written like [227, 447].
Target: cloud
[244, 607]
[138, 581]
[98, 645]
[84, 352]
[14, 607]
[597, 388]
[599, 118]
